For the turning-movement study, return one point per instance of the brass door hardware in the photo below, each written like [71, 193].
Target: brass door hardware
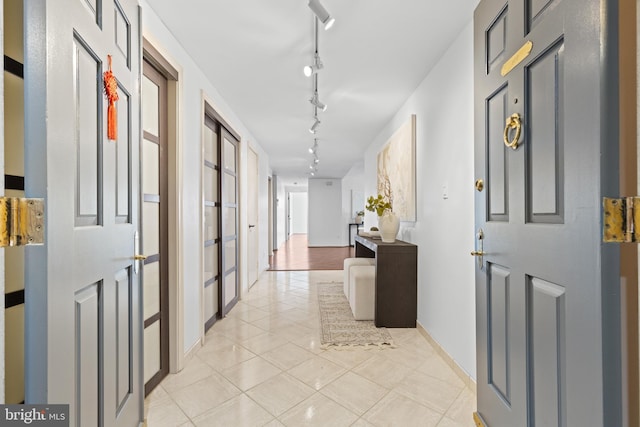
[139, 257]
[517, 58]
[479, 252]
[21, 221]
[479, 184]
[478, 420]
[513, 122]
[621, 222]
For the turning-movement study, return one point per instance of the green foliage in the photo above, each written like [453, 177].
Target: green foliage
[378, 204]
[360, 213]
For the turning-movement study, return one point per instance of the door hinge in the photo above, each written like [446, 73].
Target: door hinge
[21, 221]
[621, 220]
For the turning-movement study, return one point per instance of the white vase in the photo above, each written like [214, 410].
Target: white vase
[389, 224]
[358, 219]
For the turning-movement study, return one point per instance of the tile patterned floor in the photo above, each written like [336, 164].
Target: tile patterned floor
[263, 366]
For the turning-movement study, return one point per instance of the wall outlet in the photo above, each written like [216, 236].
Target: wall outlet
[445, 192]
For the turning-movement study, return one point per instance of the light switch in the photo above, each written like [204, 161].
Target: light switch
[445, 192]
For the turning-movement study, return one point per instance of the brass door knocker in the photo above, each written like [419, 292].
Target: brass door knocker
[513, 122]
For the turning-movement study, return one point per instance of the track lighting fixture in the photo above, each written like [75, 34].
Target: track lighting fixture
[314, 149]
[317, 103]
[317, 65]
[315, 125]
[321, 13]
[316, 160]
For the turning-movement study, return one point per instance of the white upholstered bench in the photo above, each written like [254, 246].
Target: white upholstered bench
[362, 288]
[348, 263]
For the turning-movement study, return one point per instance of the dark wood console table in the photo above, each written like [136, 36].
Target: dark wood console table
[396, 297]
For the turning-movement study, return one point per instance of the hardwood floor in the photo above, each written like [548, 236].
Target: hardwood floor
[296, 255]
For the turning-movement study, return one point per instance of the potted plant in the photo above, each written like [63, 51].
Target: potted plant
[359, 217]
[382, 205]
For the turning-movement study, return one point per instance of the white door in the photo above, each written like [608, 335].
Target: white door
[83, 330]
[253, 217]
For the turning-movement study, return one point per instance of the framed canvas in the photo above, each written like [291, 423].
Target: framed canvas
[397, 164]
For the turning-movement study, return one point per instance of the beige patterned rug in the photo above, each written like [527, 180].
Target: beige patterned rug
[339, 328]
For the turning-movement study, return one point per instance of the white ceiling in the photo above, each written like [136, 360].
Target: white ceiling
[375, 56]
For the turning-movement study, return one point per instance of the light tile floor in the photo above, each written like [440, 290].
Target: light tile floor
[263, 366]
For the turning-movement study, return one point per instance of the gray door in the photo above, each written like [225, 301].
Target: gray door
[84, 323]
[546, 289]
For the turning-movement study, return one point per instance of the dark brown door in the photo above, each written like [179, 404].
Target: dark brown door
[220, 235]
[211, 233]
[155, 274]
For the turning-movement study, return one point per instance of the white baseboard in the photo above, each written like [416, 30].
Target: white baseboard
[460, 372]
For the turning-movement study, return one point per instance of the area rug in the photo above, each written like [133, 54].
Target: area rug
[339, 328]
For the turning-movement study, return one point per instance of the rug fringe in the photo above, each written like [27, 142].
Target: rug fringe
[368, 346]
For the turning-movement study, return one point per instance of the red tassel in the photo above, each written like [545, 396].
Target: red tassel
[111, 91]
[112, 121]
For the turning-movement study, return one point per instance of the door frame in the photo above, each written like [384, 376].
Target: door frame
[2, 250]
[170, 70]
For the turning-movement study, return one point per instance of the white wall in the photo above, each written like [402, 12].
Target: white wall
[325, 213]
[299, 212]
[444, 231]
[193, 85]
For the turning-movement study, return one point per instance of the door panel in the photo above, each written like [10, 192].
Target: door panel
[497, 158]
[547, 331]
[496, 36]
[83, 330]
[123, 351]
[123, 158]
[544, 86]
[499, 317]
[88, 306]
[88, 112]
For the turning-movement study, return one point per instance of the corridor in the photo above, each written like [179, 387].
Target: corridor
[263, 366]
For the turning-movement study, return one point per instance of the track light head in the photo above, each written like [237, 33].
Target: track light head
[314, 149]
[316, 160]
[314, 126]
[321, 13]
[317, 65]
[317, 103]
